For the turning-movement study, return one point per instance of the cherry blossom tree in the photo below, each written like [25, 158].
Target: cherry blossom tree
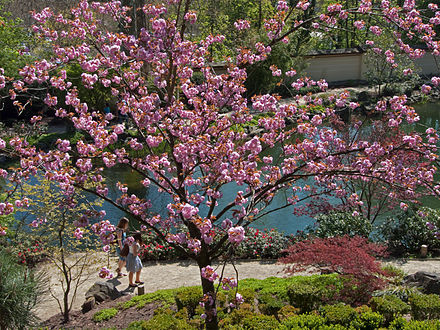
[189, 140]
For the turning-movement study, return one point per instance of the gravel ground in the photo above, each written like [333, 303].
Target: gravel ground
[168, 275]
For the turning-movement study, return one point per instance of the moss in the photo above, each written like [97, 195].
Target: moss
[166, 297]
[105, 314]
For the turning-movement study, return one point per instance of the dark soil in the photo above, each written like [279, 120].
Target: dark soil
[121, 320]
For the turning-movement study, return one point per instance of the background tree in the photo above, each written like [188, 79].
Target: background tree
[16, 43]
[68, 242]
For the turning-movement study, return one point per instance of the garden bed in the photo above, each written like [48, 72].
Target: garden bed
[273, 303]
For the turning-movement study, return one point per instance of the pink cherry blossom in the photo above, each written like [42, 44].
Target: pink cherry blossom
[209, 273]
[236, 234]
[188, 211]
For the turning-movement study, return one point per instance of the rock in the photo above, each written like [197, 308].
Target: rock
[103, 291]
[363, 96]
[428, 282]
[88, 305]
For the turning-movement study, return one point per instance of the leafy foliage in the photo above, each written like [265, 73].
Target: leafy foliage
[305, 297]
[189, 298]
[406, 232]
[55, 217]
[425, 306]
[338, 314]
[105, 314]
[267, 244]
[352, 257]
[16, 42]
[20, 290]
[389, 306]
[340, 224]
[403, 324]
[161, 322]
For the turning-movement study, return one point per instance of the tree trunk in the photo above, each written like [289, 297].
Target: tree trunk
[211, 320]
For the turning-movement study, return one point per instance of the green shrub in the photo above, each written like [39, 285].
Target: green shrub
[303, 296]
[164, 310]
[367, 321]
[248, 295]
[160, 322]
[406, 232]
[389, 306]
[20, 289]
[189, 297]
[402, 324]
[326, 284]
[236, 317]
[287, 311]
[425, 306]
[269, 304]
[258, 322]
[182, 314]
[303, 321]
[105, 314]
[338, 314]
[266, 244]
[340, 224]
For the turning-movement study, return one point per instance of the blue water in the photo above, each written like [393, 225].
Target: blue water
[284, 220]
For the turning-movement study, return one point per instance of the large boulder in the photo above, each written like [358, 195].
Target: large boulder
[428, 282]
[88, 305]
[103, 291]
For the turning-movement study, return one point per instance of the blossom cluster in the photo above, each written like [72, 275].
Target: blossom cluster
[105, 230]
[104, 272]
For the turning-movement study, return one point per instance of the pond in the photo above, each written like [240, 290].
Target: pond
[284, 220]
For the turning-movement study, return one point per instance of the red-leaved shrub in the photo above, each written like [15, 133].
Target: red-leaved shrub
[354, 258]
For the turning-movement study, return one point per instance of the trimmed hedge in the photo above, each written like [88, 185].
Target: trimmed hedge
[267, 307]
[425, 306]
[389, 306]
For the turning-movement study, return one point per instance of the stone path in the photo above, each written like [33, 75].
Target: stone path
[168, 275]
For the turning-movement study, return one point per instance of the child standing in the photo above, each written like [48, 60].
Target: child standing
[121, 234]
[134, 263]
